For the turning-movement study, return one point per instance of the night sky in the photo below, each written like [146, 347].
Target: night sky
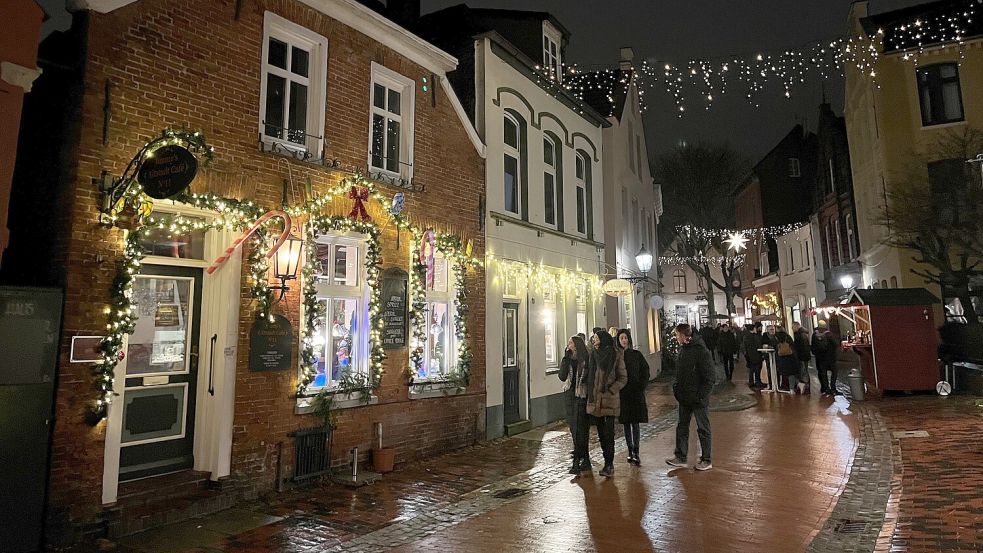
[676, 31]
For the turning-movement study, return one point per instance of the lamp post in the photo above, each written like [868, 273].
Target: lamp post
[285, 263]
[643, 259]
[846, 281]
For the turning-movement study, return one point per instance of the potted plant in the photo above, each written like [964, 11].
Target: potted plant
[383, 458]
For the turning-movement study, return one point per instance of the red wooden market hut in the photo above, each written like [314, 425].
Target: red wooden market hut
[895, 336]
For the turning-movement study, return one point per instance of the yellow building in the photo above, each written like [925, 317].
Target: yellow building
[925, 81]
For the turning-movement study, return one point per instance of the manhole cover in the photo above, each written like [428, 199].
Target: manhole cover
[909, 434]
[509, 493]
[847, 526]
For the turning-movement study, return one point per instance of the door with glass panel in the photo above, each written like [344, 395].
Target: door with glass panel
[158, 402]
[510, 361]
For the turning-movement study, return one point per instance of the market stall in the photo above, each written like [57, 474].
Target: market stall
[894, 337]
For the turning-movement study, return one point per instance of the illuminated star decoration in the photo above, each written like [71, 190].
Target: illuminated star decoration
[736, 242]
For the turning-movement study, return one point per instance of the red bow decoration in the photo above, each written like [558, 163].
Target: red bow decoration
[358, 210]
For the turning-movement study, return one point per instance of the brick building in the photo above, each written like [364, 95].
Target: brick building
[777, 192]
[296, 99]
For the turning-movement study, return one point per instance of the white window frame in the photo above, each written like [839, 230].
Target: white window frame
[326, 291]
[392, 80]
[515, 153]
[552, 61]
[292, 34]
[581, 303]
[551, 170]
[447, 298]
[580, 182]
[794, 168]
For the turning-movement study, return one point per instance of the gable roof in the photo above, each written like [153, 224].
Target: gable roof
[893, 296]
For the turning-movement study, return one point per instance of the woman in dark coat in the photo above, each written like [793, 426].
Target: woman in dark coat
[633, 406]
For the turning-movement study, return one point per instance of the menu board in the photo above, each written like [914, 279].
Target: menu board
[270, 344]
[394, 308]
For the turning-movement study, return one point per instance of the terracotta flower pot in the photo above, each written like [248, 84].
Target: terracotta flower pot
[383, 459]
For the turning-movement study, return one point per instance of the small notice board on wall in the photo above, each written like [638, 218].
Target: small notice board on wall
[270, 344]
[394, 297]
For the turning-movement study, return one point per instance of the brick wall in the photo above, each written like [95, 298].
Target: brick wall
[186, 63]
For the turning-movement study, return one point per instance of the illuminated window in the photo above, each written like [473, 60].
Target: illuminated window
[440, 353]
[581, 299]
[341, 345]
[549, 328]
[391, 126]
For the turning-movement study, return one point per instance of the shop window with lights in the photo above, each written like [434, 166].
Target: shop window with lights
[440, 353]
[391, 123]
[341, 345]
[294, 82]
[939, 94]
[549, 328]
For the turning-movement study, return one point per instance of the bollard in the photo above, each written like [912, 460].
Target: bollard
[856, 381]
[354, 464]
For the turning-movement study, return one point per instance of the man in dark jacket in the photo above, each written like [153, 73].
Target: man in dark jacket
[751, 343]
[694, 382]
[802, 351]
[824, 346]
[727, 346]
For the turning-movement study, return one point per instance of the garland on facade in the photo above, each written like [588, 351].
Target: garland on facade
[540, 277]
[121, 320]
[313, 311]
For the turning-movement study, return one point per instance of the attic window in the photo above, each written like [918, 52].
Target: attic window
[551, 52]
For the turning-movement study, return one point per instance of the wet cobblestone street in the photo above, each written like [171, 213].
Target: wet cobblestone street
[791, 473]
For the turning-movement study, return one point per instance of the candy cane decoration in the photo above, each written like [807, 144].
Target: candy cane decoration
[259, 222]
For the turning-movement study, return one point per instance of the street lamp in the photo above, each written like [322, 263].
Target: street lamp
[285, 263]
[846, 281]
[643, 259]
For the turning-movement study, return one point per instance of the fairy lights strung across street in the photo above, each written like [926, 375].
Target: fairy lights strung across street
[677, 260]
[701, 81]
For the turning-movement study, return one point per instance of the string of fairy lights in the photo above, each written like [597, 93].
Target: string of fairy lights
[736, 241]
[699, 82]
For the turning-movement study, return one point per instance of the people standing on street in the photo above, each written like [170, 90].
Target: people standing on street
[824, 350]
[692, 387]
[804, 354]
[753, 357]
[606, 377]
[786, 362]
[573, 373]
[768, 340]
[727, 346]
[634, 409]
[709, 334]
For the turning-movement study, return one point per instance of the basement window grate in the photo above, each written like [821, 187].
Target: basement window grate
[847, 526]
[313, 452]
[509, 493]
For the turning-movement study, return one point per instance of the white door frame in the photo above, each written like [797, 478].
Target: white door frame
[219, 316]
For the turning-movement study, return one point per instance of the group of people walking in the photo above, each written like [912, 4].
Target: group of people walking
[793, 354]
[604, 379]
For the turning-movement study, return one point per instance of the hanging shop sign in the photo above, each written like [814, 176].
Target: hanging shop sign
[167, 172]
[394, 287]
[617, 288]
[270, 344]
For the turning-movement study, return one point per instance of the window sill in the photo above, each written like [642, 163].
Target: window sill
[425, 389]
[552, 370]
[305, 405]
[934, 126]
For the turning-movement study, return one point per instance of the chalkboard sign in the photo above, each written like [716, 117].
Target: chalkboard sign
[169, 171]
[270, 344]
[30, 320]
[394, 308]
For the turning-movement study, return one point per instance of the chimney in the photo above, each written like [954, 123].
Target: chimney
[627, 58]
[404, 12]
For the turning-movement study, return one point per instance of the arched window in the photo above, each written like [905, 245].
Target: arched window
[679, 281]
[512, 164]
[551, 172]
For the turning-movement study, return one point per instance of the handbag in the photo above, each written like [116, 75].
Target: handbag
[784, 348]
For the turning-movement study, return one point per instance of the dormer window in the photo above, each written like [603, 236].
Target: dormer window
[551, 52]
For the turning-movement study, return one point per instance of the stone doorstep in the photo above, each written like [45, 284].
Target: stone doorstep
[518, 428]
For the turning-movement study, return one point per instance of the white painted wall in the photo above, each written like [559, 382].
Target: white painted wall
[798, 274]
[510, 241]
